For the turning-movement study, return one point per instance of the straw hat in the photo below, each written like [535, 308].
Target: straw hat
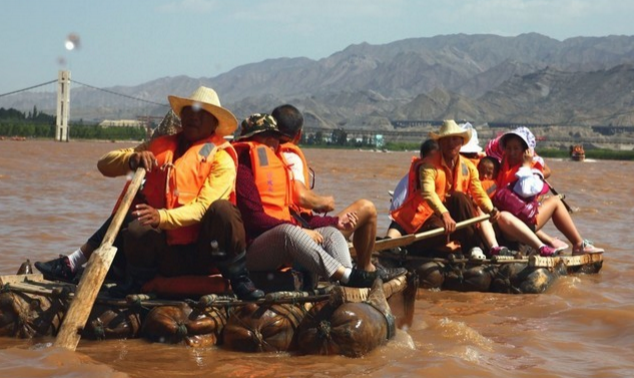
[450, 128]
[257, 123]
[473, 147]
[207, 99]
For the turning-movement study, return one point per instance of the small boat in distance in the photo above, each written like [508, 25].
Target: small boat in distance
[577, 153]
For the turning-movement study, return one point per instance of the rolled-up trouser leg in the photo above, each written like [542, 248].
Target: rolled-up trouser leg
[285, 244]
[336, 245]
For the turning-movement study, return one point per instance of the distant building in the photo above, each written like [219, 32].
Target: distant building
[122, 123]
[379, 142]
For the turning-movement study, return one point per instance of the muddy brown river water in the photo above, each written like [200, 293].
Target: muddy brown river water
[52, 198]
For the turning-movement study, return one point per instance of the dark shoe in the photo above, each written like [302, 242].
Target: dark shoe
[387, 274]
[235, 270]
[245, 290]
[57, 269]
[361, 278]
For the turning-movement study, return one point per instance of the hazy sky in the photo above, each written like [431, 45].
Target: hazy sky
[129, 42]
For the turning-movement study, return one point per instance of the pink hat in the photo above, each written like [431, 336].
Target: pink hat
[494, 150]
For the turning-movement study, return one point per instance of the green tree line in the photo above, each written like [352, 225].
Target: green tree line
[336, 138]
[36, 124]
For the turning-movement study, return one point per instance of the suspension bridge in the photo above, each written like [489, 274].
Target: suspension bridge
[86, 104]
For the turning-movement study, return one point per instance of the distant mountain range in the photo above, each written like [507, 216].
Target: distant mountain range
[530, 78]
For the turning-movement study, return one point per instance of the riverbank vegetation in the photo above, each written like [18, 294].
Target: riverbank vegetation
[34, 124]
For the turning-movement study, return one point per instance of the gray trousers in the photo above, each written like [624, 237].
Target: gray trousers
[287, 244]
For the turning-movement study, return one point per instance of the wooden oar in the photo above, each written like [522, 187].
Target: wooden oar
[95, 273]
[383, 244]
[409, 239]
[552, 189]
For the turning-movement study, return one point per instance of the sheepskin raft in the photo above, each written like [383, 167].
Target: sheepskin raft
[502, 274]
[327, 320]
[349, 323]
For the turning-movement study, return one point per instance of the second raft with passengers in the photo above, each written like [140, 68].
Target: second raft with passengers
[446, 188]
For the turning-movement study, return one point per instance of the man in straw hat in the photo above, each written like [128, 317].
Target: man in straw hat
[264, 197]
[441, 199]
[186, 204]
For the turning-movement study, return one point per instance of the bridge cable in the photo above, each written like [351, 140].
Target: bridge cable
[26, 89]
[119, 94]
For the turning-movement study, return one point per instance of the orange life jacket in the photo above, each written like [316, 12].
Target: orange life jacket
[489, 186]
[292, 147]
[272, 178]
[415, 210]
[178, 182]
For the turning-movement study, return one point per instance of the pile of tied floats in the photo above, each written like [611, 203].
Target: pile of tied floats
[327, 320]
[524, 273]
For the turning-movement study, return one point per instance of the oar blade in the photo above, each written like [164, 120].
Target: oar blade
[87, 290]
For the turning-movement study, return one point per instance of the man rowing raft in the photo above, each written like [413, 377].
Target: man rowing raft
[186, 203]
[445, 189]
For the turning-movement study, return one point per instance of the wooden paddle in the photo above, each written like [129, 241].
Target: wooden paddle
[383, 244]
[562, 196]
[95, 273]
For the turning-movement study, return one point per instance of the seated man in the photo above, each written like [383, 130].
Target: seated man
[428, 149]
[290, 122]
[66, 268]
[187, 202]
[264, 197]
[442, 199]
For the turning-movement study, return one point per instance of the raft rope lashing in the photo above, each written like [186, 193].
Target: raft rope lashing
[99, 330]
[389, 319]
[324, 330]
[181, 331]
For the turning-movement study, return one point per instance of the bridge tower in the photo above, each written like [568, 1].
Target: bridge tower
[63, 106]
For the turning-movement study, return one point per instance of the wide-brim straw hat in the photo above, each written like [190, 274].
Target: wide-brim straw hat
[207, 99]
[473, 147]
[258, 123]
[450, 128]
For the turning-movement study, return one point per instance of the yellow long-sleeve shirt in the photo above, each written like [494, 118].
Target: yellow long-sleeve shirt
[428, 173]
[218, 185]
